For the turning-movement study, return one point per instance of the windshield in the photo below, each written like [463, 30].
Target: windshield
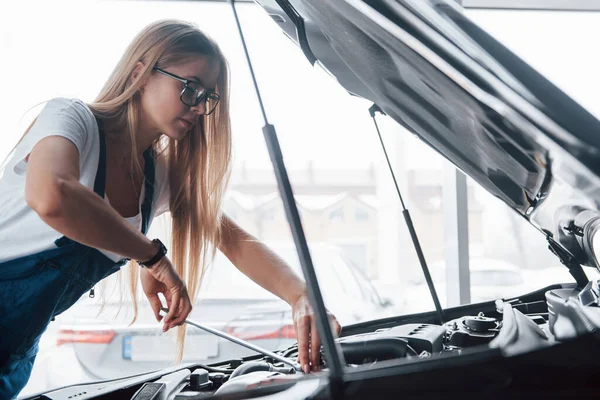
[363, 256]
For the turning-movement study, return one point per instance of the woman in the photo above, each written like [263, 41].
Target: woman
[84, 183]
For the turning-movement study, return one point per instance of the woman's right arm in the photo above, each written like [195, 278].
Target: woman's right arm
[53, 191]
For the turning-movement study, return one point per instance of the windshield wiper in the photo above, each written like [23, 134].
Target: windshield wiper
[413, 234]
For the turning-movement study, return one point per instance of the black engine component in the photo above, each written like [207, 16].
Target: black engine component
[480, 324]
[396, 342]
[199, 380]
[361, 350]
[420, 337]
[218, 379]
[472, 331]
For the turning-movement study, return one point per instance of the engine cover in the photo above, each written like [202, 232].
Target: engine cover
[394, 342]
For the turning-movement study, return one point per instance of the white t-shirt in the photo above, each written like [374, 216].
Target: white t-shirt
[22, 231]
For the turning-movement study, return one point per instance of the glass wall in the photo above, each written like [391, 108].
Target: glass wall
[560, 46]
[365, 261]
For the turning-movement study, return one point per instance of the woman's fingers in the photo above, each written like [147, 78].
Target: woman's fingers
[156, 305]
[315, 340]
[309, 342]
[183, 309]
[173, 310]
[335, 325]
[187, 306]
[178, 300]
[180, 306]
[315, 345]
[302, 332]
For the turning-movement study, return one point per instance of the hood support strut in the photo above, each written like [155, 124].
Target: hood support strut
[411, 229]
[333, 354]
[569, 261]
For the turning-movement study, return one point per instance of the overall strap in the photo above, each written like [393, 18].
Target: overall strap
[148, 190]
[100, 182]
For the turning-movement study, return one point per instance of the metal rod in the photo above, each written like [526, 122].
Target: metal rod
[372, 110]
[164, 312]
[411, 229]
[250, 67]
[332, 353]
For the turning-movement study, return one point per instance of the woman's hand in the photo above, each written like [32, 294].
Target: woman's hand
[307, 335]
[162, 278]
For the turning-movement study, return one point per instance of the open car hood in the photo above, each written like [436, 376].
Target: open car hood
[443, 78]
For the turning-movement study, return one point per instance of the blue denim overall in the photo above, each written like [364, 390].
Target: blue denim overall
[36, 288]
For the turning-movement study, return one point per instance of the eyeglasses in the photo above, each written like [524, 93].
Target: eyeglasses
[193, 93]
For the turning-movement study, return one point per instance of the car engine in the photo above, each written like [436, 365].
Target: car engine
[512, 327]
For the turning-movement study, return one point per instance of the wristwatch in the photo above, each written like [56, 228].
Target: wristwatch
[162, 251]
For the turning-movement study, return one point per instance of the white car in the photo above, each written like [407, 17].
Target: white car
[490, 279]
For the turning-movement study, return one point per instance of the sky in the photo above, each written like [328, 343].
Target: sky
[68, 48]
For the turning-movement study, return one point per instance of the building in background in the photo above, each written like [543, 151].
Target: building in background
[340, 207]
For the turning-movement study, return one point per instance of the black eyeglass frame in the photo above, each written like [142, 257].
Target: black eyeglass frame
[203, 96]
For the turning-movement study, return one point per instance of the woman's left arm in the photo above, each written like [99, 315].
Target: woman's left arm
[268, 270]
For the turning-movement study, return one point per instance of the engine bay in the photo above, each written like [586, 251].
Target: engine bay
[512, 327]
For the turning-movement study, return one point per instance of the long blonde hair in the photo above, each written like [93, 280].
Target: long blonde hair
[199, 165]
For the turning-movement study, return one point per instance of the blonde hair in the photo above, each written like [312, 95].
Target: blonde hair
[198, 165]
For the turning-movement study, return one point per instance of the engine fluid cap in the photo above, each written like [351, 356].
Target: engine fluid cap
[480, 323]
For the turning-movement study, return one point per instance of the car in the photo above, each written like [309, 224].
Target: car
[490, 279]
[556, 274]
[96, 348]
[435, 72]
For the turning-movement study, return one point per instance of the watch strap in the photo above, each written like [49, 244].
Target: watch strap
[162, 251]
